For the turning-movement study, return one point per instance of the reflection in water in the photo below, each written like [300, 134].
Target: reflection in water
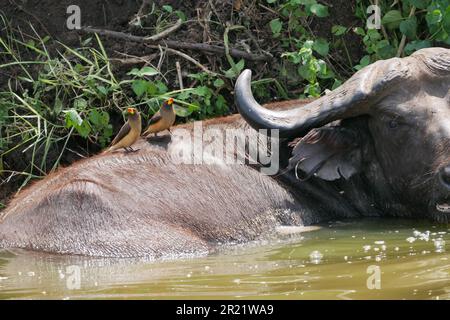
[333, 262]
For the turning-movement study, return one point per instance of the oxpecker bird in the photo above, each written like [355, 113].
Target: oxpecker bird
[129, 133]
[163, 119]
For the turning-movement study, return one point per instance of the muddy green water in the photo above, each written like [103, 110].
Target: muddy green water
[342, 260]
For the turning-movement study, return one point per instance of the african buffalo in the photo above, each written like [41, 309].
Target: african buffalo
[378, 145]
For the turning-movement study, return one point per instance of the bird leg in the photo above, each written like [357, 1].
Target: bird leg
[133, 150]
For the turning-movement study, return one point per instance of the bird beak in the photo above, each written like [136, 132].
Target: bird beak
[170, 101]
[130, 111]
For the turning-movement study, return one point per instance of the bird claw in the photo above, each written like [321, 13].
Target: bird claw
[131, 150]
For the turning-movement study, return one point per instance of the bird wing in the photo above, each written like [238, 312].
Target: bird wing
[156, 117]
[122, 133]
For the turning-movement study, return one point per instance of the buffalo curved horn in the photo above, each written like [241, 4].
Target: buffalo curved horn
[353, 98]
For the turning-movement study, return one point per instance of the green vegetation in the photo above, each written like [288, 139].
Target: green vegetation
[408, 25]
[57, 98]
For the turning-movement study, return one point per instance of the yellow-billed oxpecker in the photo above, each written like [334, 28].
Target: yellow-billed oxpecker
[163, 119]
[129, 133]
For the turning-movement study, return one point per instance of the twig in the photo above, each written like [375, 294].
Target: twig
[161, 57]
[134, 59]
[227, 48]
[137, 18]
[268, 9]
[142, 8]
[402, 44]
[383, 29]
[211, 49]
[166, 32]
[213, 8]
[188, 58]
[180, 77]
[205, 24]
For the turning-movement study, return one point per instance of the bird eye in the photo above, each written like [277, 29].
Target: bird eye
[393, 124]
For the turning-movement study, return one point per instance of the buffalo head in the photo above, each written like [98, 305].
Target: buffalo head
[389, 125]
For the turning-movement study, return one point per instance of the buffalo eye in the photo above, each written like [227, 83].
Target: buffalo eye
[393, 124]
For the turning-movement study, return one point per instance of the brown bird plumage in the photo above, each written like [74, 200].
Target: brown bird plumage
[162, 120]
[129, 133]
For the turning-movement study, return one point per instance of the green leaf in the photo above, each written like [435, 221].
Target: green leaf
[144, 71]
[304, 2]
[306, 73]
[102, 90]
[72, 118]
[446, 20]
[392, 19]
[321, 46]
[359, 31]
[148, 71]
[271, 1]
[162, 88]
[417, 45]
[337, 83]
[365, 61]
[421, 4]
[167, 8]
[373, 34]
[275, 26]
[152, 89]
[182, 111]
[312, 90]
[221, 104]
[240, 65]
[100, 120]
[134, 72]
[58, 106]
[319, 10]
[180, 15]
[338, 30]
[409, 27]
[95, 117]
[79, 104]
[218, 83]
[84, 129]
[385, 50]
[434, 17]
[202, 91]
[234, 71]
[184, 95]
[139, 87]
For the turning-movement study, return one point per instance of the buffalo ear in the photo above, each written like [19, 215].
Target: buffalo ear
[329, 153]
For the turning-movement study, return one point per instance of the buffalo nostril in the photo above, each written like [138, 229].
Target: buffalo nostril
[445, 176]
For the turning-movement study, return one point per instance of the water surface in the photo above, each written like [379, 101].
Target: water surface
[334, 262]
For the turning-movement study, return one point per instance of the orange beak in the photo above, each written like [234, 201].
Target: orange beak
[131, 110]
[170, 101]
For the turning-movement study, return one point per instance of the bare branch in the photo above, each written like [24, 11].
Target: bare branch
[209, 49]
[166, 32]
[188, 58]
